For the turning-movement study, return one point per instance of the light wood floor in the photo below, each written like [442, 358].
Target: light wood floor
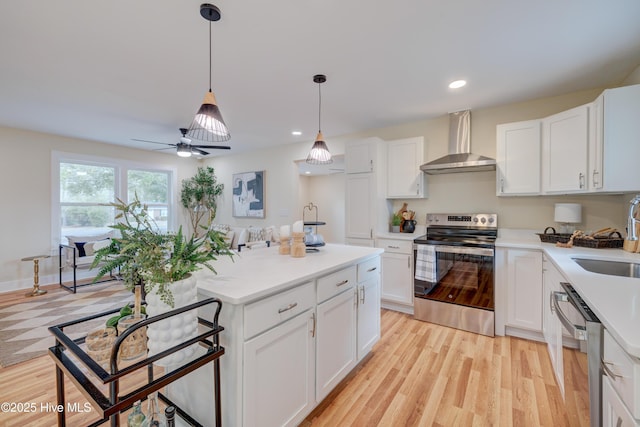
[419, 374]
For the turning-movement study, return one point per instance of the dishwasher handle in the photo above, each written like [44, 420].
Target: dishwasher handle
[577, 331]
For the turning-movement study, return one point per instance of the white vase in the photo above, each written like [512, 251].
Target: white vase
[176, 329]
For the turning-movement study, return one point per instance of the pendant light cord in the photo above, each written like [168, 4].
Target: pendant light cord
[209, 56]
[319, 106]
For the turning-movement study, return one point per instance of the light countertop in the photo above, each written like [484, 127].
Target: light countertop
[402, 236]
[614, 299]
[256, 273]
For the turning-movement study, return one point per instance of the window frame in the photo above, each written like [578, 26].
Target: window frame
[121, 167]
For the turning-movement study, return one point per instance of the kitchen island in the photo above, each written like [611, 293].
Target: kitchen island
[294, 328]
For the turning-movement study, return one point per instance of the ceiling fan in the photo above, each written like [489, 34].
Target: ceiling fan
[185, 148]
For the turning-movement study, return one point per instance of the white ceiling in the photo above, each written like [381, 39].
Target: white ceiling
[120, 69]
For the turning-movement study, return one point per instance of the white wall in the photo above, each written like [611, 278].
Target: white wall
[25, 186]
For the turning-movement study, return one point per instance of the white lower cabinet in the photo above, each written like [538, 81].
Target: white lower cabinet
[397, 274]
[524, 289]
[336, 341]
[279, 374]
[368, 306]
[368, 330]
[518, 293]
[614, 412]
[622, 373]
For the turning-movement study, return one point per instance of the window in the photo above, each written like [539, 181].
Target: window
[152, 189]
[84, 189]
[83, 185]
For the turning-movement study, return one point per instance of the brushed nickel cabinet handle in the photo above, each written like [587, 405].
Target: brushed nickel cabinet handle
[372, 269]
[581, 180]
[344, 282]
[362, 296]
[313, 318]
[287, 308]
[608, 371]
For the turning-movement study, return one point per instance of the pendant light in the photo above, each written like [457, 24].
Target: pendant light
[319, 154]
[208, 124]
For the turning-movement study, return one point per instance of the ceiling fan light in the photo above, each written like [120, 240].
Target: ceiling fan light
[184, 151]
[319, 154]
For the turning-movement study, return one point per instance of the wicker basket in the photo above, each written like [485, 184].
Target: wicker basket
[608, 242]
[136, 344]
[99, 344]
[553, 237]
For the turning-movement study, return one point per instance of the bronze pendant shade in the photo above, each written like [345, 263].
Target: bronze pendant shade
[208, 124]
[319, 154]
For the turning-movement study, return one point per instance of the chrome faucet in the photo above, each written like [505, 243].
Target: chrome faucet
[632, 221]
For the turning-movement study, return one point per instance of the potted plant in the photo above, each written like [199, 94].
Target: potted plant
[198, 196]
[396, 220]
[144, 254]
[164, 263]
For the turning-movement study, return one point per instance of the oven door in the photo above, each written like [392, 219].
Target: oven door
[463, 275]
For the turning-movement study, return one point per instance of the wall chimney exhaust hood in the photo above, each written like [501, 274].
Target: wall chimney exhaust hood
[460, 158]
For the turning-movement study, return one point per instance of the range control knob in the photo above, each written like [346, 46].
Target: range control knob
[475, 219]
[483, 220]
[491, 220]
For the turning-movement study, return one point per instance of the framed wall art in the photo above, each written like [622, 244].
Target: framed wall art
[248, 195]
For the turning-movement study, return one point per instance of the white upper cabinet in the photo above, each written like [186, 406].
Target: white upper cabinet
[565, 148]
[405, 180]
[588, 149]
[518, 158]
[615, 141]
[360, 156]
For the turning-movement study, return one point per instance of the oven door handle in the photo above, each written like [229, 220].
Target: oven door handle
[464, 250]
[576, 331]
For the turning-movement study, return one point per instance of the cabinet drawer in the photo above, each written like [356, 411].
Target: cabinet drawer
[396, 246]
[335, 283]
[624, 373]
[262, 315]
[368, 269]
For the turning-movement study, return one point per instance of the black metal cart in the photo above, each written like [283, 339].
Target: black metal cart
[72, 360]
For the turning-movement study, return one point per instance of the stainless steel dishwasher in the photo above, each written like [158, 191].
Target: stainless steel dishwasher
[590, 334]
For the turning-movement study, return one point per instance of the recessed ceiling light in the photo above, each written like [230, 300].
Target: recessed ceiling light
[307, 172]
[296, 133]
[457, 84]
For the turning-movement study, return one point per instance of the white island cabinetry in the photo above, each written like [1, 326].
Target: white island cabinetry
[336, 338]
[293, 329]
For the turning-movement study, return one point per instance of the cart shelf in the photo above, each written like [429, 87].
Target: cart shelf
[92, 379]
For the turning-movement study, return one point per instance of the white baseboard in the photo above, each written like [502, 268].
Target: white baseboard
[408, 309]
[26, 284]
[524, 333]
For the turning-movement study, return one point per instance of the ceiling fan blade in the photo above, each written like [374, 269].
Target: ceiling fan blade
[198, 151]
[153, 142]
[213, 147]
[162, 149]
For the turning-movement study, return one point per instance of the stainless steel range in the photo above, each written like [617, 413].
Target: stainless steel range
[454, 271]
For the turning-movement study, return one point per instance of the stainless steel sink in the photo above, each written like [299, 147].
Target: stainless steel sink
[611, 268]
